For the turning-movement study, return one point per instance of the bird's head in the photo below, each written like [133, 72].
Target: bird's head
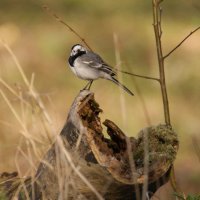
[77, 49]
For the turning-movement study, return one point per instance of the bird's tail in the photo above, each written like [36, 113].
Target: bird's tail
[114, 80]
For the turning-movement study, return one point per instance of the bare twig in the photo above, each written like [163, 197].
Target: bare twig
[160, 21]
[157, 28]
[177, 46]
[158, 33]
[139, 76]
[62, 22]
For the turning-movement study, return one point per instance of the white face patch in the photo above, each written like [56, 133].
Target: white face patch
[77, 48]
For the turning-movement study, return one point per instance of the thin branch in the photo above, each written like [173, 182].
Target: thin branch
[160, 22]
[46, 8]
[177, 46]
[157, 28]
[137, 75]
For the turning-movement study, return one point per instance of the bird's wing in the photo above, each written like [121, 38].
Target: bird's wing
[95, 61]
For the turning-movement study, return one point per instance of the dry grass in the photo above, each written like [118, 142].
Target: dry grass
[32, 152]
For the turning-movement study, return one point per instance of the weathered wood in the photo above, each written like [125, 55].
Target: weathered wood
[106, 162]
[83, 164]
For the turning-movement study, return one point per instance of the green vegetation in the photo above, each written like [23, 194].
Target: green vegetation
[189, 197]
[163, 145]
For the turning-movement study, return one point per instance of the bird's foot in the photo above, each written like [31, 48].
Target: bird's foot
[84, 89]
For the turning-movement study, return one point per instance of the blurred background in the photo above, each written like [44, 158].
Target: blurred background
[112, 28]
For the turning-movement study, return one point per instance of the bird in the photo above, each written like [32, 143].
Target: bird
[87, 65]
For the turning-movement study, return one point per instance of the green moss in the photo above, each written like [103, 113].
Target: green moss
[189, 197]
[162, 144]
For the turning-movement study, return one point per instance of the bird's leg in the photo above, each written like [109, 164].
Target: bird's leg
[85, 88]
[90, 84]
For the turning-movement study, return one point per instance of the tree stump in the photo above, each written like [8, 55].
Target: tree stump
[84, 164]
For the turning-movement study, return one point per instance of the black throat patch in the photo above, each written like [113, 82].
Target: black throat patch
[73, 58]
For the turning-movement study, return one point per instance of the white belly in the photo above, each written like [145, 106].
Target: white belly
[85, 72]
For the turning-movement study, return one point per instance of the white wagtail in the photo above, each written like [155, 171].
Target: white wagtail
[90, 66]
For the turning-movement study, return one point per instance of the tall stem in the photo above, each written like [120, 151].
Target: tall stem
[158, 34]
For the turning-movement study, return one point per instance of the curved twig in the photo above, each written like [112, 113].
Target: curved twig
[176, 47]
[46, 8]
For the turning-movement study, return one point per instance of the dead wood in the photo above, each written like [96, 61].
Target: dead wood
[84, 164]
